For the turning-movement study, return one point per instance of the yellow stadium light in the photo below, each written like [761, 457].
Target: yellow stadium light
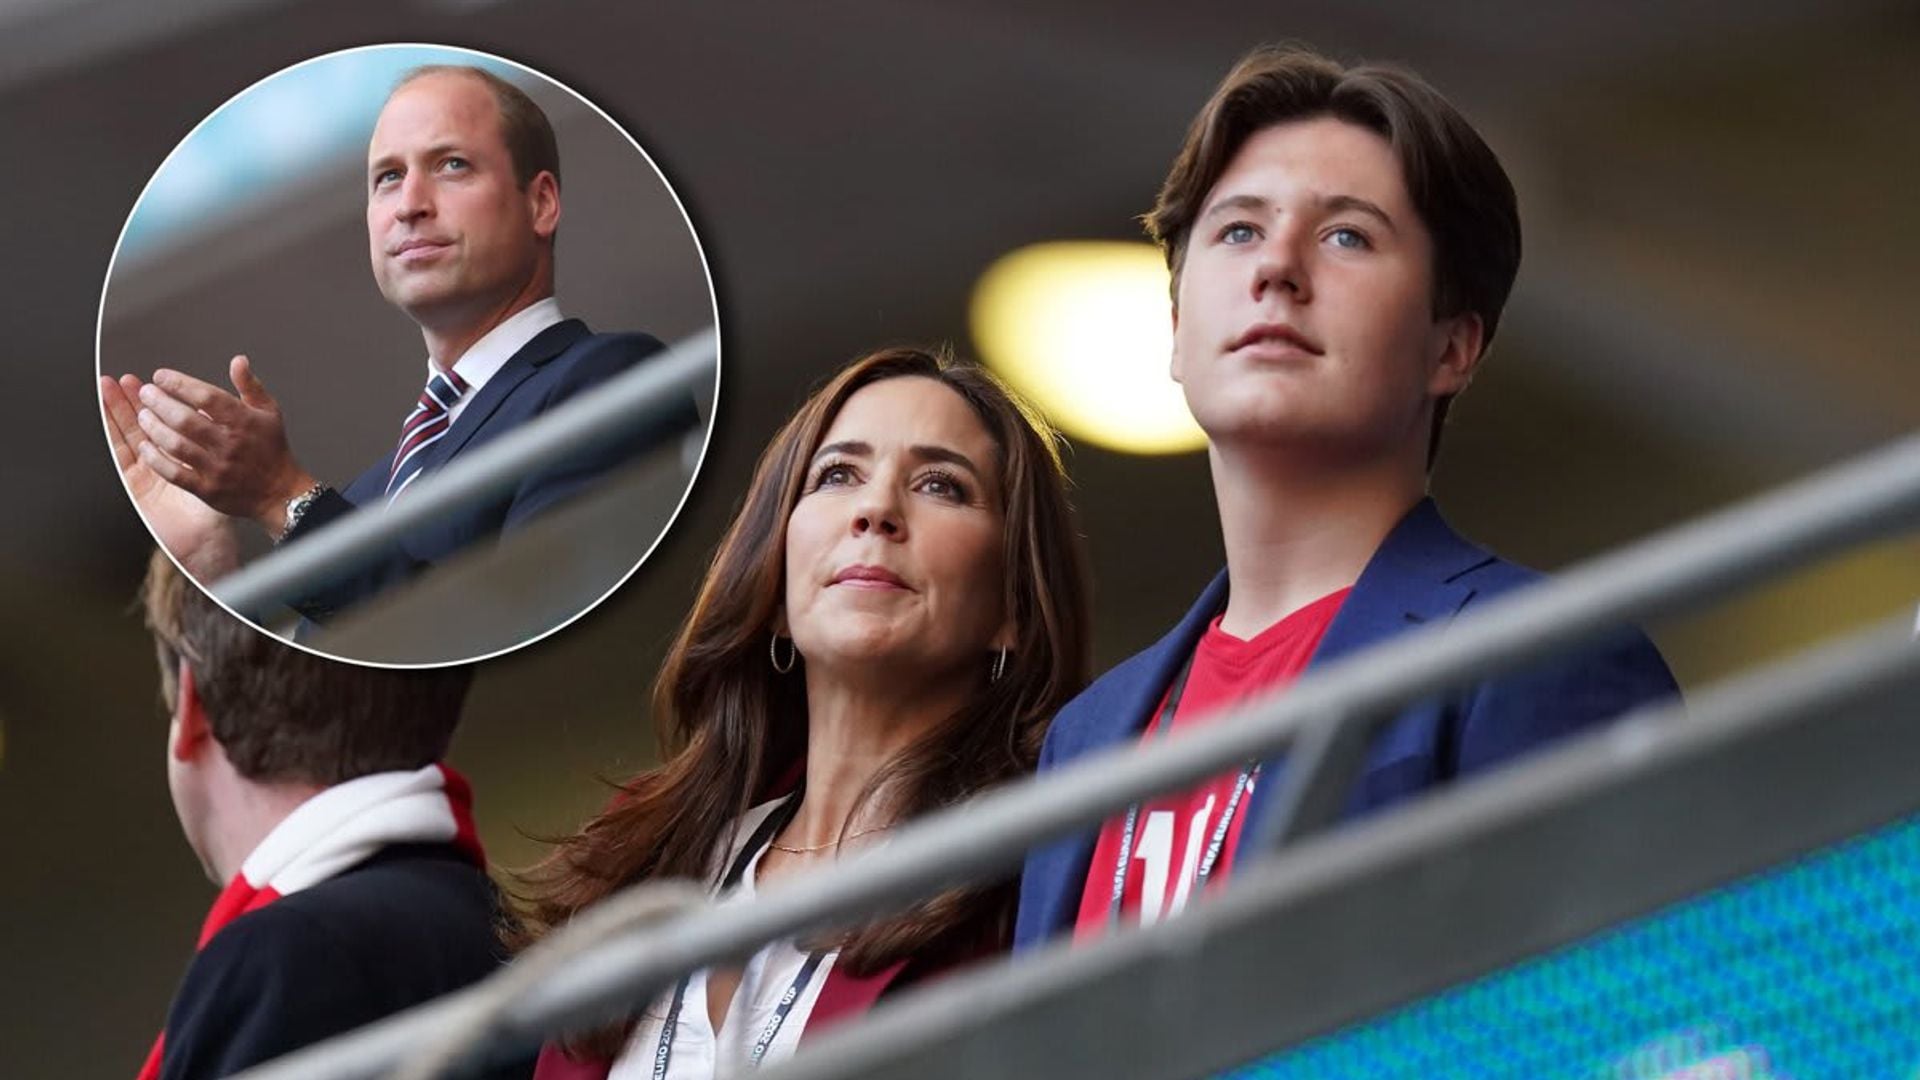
[1082, 329]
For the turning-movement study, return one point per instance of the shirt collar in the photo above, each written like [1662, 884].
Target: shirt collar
[492, 352]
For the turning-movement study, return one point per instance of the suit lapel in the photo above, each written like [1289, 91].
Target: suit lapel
[1413, 579]
[1111, 720]
[545, 345]
[1136, 702]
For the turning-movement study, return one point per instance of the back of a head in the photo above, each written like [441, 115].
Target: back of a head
[283, 715]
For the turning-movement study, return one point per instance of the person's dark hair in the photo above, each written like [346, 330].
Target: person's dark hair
[732, 727]
[287, 716]
[523, 126]
[1455, 180]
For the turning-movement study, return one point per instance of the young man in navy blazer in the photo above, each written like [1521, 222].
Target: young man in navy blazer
[463, 202]
[353, 884]
[1342, 243]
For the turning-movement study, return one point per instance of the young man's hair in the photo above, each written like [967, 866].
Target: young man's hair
[523, 126]
[1454, 179]
[287, 716]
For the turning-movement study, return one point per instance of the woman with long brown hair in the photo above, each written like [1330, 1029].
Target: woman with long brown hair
[889, 623]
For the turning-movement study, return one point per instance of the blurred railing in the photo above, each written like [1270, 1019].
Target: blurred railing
[645, 407]
[612, 966]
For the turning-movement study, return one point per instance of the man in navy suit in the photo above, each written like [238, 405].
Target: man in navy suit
[1342, 242]
[463, 202]
[353, 884]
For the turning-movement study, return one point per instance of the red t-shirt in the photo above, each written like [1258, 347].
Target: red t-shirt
[1171, 833]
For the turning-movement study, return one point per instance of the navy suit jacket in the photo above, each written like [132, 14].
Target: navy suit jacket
[561, 361]
[1423, 572]
[412, 923]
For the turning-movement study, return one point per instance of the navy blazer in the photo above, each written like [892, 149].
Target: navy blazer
[1424, 572]
[410, 924]
[561, 361]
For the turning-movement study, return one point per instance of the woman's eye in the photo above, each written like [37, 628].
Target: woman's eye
[1352, 239]
[941, 485]
[833, 475]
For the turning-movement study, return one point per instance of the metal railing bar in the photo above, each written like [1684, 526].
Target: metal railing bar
[647, 403]
[1526, 859]
[1871, 496]
[1874, 495]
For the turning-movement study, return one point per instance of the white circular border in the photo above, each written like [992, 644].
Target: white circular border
[713, 302]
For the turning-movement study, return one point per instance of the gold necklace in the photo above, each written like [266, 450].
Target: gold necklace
[777, 846]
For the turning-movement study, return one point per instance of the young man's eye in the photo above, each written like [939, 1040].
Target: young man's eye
[1238, 232]
[455, 164]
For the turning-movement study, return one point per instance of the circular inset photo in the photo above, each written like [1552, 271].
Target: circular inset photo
[408, 354]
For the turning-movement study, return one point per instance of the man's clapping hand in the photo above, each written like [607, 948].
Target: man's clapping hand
[195, 533]
[230, 451]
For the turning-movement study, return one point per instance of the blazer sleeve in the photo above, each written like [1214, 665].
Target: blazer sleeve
[1508, 716]
[268, 984]
[605, 359]
[323, 602]
[1033, 919]
[1054, 874]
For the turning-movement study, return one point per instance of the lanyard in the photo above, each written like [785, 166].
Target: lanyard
[762, 836]
[1215, 843]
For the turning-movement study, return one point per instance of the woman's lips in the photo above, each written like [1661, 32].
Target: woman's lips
[868, 577]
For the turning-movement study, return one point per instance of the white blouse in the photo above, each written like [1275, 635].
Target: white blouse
[700, 1053]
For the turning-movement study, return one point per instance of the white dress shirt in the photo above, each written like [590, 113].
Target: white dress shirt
[491, 353]
[700, 1053]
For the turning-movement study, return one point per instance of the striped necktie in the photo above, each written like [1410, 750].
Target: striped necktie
[423, 427]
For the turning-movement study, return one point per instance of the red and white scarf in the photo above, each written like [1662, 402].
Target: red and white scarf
[336, 830]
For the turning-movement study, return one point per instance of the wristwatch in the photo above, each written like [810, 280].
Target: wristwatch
[297, 508]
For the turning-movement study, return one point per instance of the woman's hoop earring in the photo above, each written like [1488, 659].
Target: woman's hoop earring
[773, 654]
[999, 666]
